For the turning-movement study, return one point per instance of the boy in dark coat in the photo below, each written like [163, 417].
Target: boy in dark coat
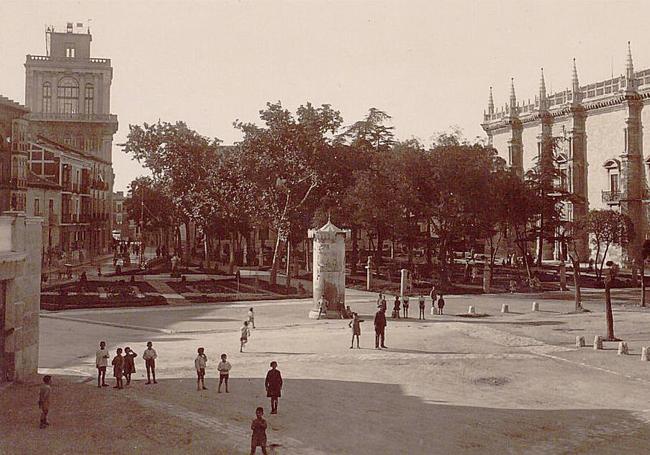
[273, 384]
[380, 327]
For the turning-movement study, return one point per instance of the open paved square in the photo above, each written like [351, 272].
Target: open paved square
[505, 383]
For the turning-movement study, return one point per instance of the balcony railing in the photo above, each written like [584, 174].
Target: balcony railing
[52, 219]
[67, 186]
[68, 218]
[611, 197]
[61, 117]
[91, 61]
[16, 182]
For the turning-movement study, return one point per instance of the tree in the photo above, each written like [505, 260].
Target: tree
[570, 236]
[150, 207]
[607, 228]
[280, 164]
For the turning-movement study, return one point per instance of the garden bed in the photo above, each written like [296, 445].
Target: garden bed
[53, 302]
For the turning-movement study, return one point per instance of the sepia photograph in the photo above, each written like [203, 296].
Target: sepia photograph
[216, 215]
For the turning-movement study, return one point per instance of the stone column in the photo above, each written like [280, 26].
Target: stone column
[579, 181]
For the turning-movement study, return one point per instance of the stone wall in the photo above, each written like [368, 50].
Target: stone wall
[20, 277]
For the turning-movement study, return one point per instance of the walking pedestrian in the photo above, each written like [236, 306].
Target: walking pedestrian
[380, 327]
[384, 305]
[441, 304]
[251, 317]
[118, 368]
[129, 364]
[405, 306]
[101, 362]
[422, 305]
[245, 333]
[355, 325]
[44, 400]
[273, 384]
[224, 371]
[396, 308]
[380, 297]
[258, 439]
[200, 363]
[150, 355]
[322, 306]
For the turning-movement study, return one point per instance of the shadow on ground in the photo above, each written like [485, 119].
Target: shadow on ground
[316, 417]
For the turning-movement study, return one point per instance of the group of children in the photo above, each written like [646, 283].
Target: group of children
[437, 304]
[200, 363]
[124, 365]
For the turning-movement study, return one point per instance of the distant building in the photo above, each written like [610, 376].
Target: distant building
[70, 136]
[121, 222]
[600, 126]
[13, 159]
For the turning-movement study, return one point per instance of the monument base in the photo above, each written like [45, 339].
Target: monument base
[313, 314]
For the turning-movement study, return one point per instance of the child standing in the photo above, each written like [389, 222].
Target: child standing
[434, 310]
[441, 304]
[422, 304]
[224, 371]
[251, 317]
[396, 306]
[118, 369]
[129, 364]
[259, 432]
[150, 357]
[44, 400]
[245, 333]
[101, 362]
[273, 384]
[405, 306]
[200, 363]
[355, 324]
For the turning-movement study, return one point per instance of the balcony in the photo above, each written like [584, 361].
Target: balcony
[84, 217]
[611, 197]
[106, 62]
[66, 186]
[16, 182]
[99, 185]
[61, 117]
[68, 218]
[52, 219]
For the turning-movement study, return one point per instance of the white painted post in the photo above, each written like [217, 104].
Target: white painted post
[535, 306]
[471, 310]
[580, 342]
[598, 342]
[644, 354]
[622, 348]
[505, 308]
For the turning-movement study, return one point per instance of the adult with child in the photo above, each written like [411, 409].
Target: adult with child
[200, 363]
[380, 328]
[273, 385]
[150, 355]
[44, 400]
[101, 362]
[224, 372]
[129, 364]
[355, 325]
[118, 368]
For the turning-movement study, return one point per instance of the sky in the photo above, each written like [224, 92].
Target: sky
[429, 64]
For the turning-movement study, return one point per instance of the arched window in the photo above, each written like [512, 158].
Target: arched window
[68, 96]
[47, 97]
[89, 97]
[613, 193]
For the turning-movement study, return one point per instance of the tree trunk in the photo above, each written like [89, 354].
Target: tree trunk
[643, 282]
[608, 312]
[231, 259]
[379, 247]
[277, 253]
[354, 254]
[288, 282]
[576, 282]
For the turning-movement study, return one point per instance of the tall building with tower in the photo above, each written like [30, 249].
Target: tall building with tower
[599, 130]
[71, 128]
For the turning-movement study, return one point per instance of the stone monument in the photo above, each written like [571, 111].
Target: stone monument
[329, 268]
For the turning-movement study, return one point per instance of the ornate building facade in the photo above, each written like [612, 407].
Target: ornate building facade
[71, 136]
[601, 142]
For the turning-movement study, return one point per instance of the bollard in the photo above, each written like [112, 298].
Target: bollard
[505, 308]
[644, 354]
[471, 310]
[598, 342]
[622, 348]
[535, 306]
[580, 341]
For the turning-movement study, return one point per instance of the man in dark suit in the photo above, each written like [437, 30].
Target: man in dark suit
[380, 327]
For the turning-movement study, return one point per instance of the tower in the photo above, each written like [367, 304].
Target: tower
[632, 172]
[515, 144]
[68, 94]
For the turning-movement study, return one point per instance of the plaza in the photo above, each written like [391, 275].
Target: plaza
[503, 383]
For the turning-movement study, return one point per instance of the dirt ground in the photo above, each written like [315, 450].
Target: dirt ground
[505, 383]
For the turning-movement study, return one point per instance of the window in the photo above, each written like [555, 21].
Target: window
[613, 183]
[37, 207]
[50, 206]
[47, 97]
[68, 96]
[69, 51]
[89, 96]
